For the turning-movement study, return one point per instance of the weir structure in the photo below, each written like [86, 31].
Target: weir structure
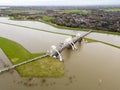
[55, 52]
[69, 43]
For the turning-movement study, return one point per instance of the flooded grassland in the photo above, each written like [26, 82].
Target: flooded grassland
[93, 66]
[108, 38]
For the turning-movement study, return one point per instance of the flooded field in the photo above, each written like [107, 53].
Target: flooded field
[4, 61]
[32, 40]
[94, 66]
[112, 39]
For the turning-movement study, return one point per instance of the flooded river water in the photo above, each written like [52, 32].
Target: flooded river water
[108, 38]
[93, 66]
[32, 40]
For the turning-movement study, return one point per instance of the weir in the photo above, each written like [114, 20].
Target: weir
[69, 44]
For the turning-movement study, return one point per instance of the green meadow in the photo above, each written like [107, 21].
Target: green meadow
[46, 67]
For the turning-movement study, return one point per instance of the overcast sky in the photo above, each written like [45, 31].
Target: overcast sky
[59, 2]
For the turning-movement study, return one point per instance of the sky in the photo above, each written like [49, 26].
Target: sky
[59, 2]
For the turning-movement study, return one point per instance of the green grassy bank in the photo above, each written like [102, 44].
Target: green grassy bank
[48, 19]
[45, 67]
[92, 40]
[80, 29]
[89, 40]
[39, 68]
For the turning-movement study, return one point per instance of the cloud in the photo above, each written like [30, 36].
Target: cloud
[58, 2]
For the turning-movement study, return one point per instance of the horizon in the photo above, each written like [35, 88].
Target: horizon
[55, 5]
[59, 3]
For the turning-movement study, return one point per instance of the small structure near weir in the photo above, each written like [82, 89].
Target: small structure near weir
[68, 43]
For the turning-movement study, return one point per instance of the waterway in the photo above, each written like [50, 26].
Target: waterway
[32, 40]
[108, 38]
[93, 66]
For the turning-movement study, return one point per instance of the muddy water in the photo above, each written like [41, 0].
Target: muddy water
[112, 39]
[94, 66]
[4, 61]
[32, 40]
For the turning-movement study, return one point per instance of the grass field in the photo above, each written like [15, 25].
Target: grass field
[92, 40]
[47, 18]
[75, 11]
[22, 11]
[15, 52]
[39, 68]
[45, 67]
[112, 10]
[62, 27]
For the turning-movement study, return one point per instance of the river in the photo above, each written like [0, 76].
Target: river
[108, 38]
[93, 66]
[32, 40]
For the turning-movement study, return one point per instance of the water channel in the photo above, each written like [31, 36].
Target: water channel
[108, 38]
[93, 66]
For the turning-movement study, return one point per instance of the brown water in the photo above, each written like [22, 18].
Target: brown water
[94, 66]
[32, 40]
[4, 61]
[112, 39]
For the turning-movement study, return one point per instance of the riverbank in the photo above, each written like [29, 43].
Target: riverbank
[79, 29]
[17, 54]
[92, 40]
[70, 28]
[93, 36]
